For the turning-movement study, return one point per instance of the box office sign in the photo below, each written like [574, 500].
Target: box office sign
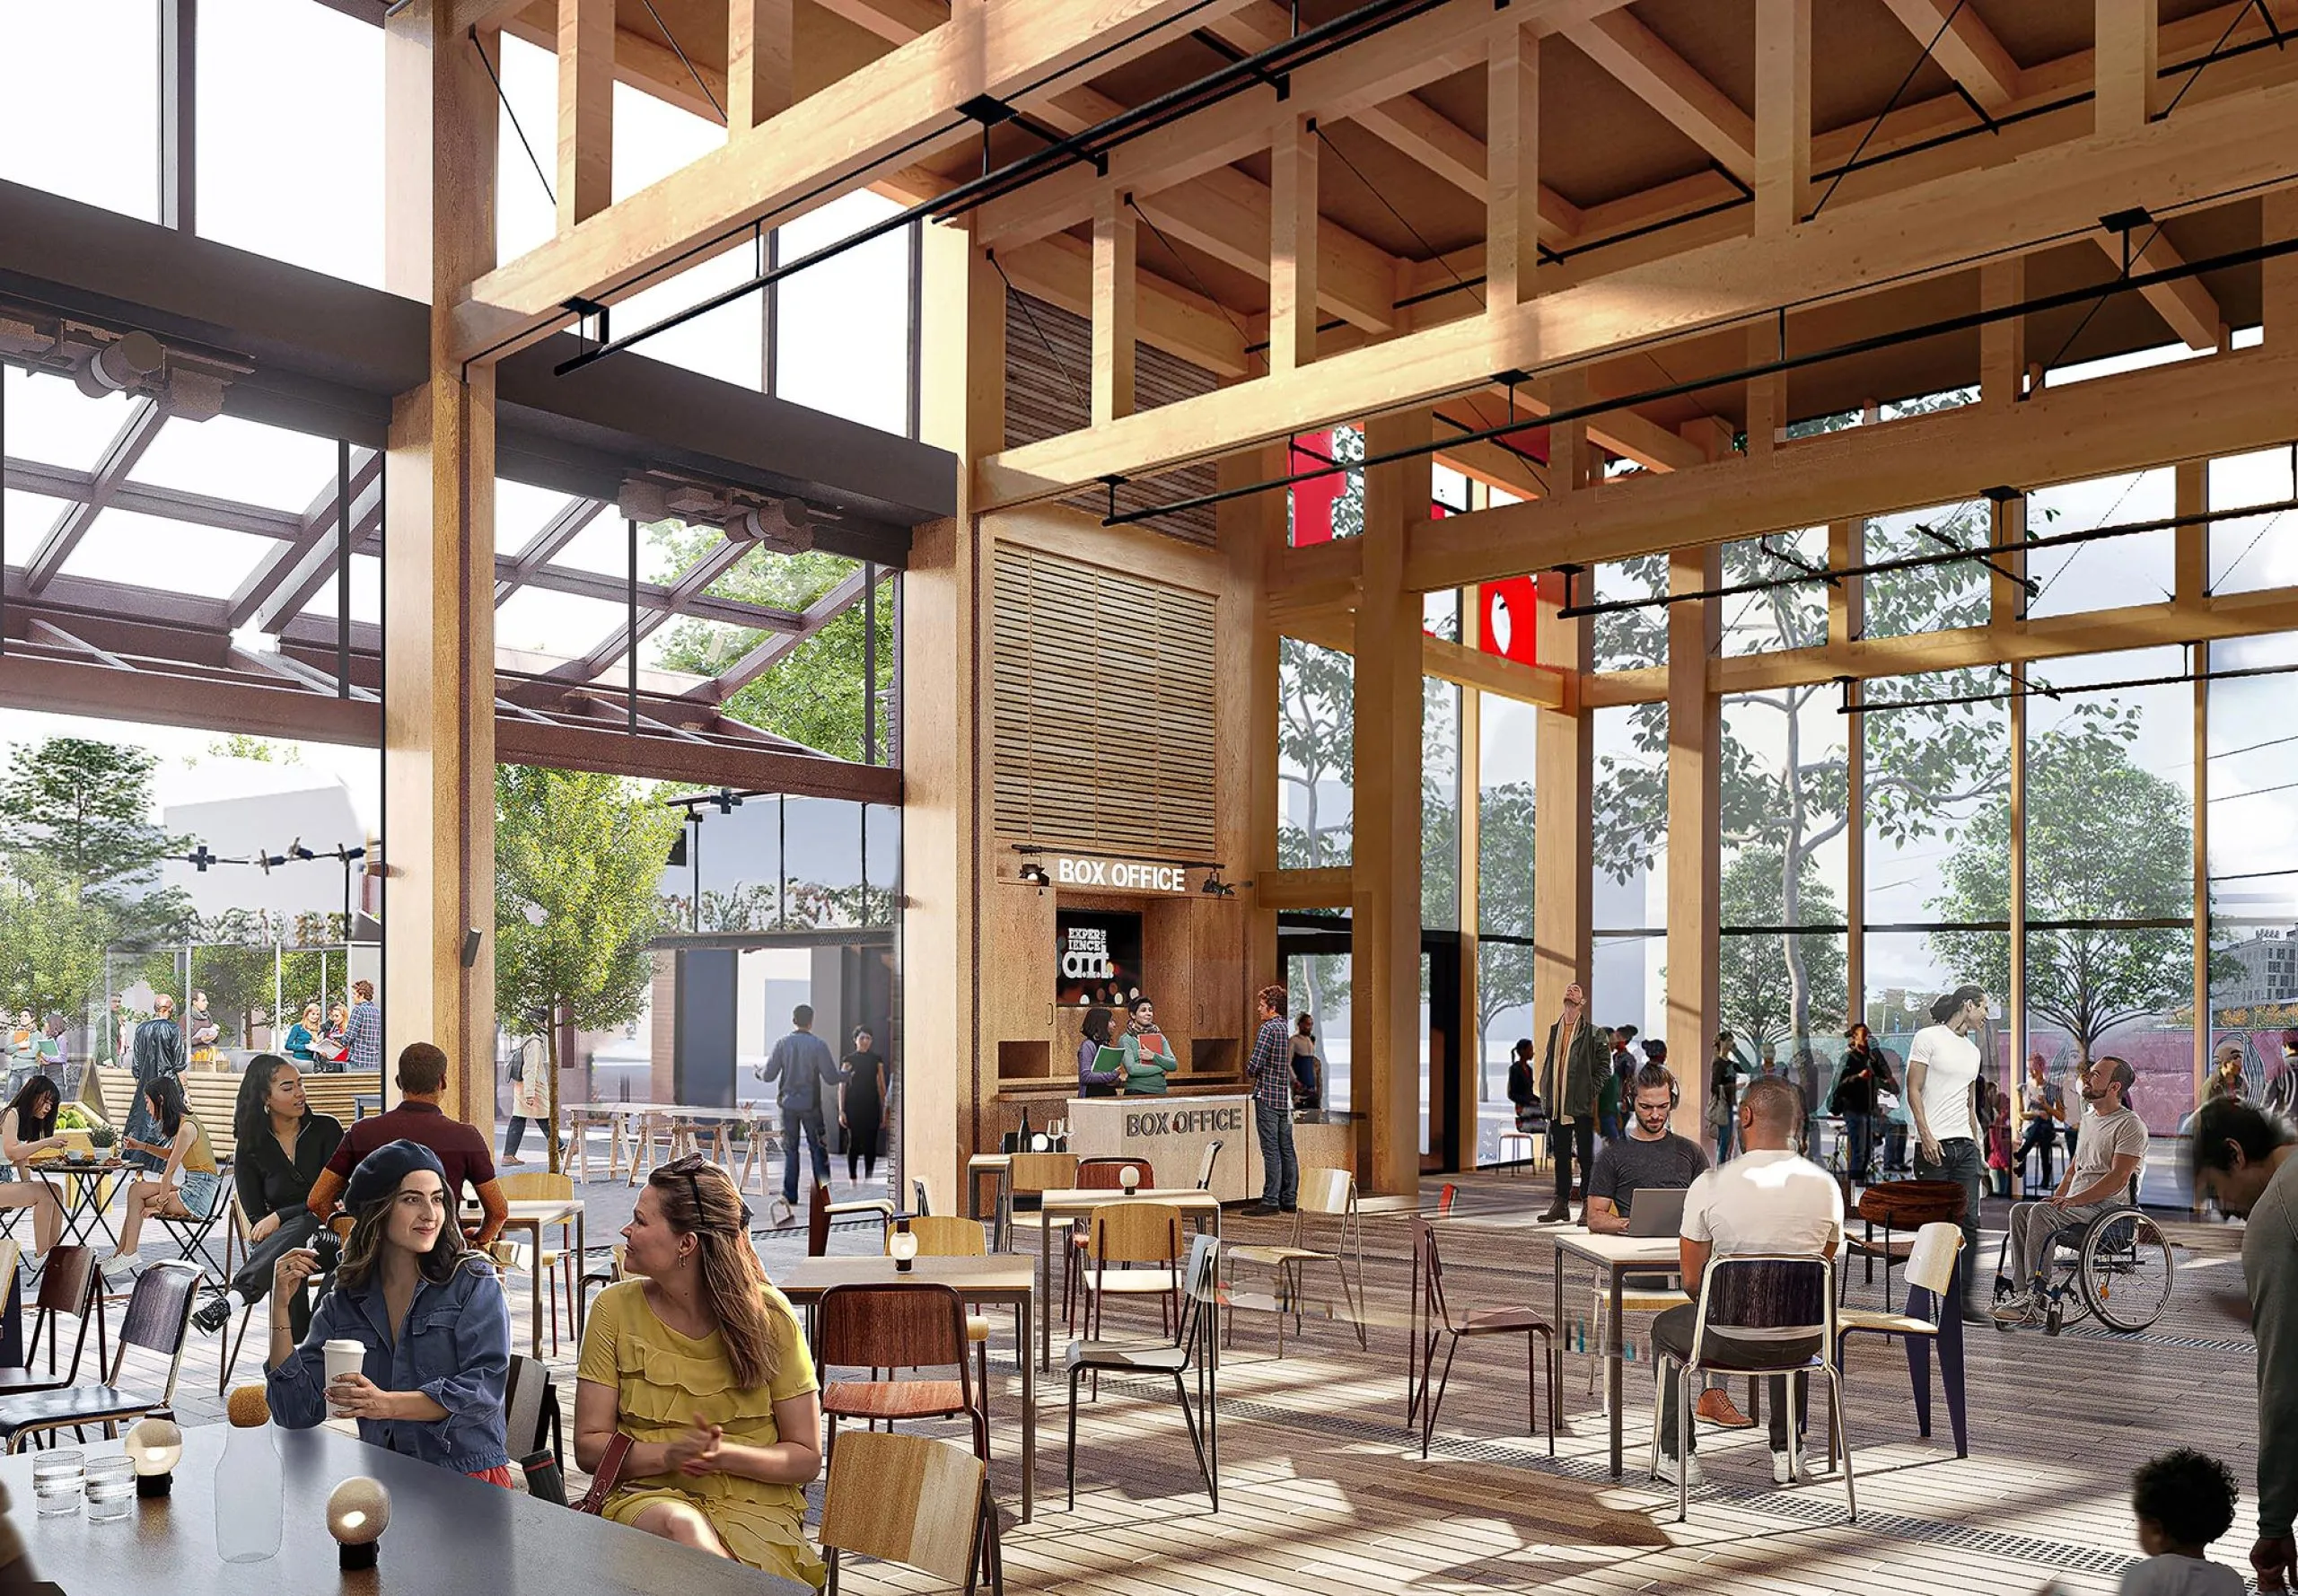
[1194, 1123]
[1116, 875]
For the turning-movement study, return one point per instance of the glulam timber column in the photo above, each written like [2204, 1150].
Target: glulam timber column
[1252, 533]
[945, 761]
[1695, 844]
[1562, 770]
[1384, 900]
[439, 562]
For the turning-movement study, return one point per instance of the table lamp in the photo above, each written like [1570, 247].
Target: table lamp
[358, 1511]
[1129, 1179]
[1040, 1141]
[154, 1446]
[902, 1247]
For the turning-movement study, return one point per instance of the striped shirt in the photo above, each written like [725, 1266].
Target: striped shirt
[1271, 1066]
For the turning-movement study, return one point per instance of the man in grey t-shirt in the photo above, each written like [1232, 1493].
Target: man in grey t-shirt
[1650, 1157]
[2113, 1151]
[801, 1063]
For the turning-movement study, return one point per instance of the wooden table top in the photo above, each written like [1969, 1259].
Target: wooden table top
[1618, 1249]
[1180, 1196]
[1003, 1273]
[447, 1534]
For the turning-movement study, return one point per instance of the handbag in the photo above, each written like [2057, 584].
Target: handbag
[604, 1479]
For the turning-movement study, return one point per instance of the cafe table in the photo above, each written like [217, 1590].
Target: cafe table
[999, 1278]
[531, 1215]
[448, 1533]
[994, 1164]
[84, 1189]
[1200, 1207]
[1617, 1257]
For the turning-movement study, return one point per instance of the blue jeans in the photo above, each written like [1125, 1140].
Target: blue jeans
[810, 1121]
[1859, 1130]
[1959, 1162]
[1280, 1166]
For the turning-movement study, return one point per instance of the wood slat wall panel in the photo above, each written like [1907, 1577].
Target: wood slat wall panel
[1104, 722]
[1046, 395]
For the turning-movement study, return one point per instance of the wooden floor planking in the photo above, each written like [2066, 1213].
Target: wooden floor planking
[1323, 1488]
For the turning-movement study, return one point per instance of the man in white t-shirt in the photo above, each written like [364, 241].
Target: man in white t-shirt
[1941, 1068]
[2113, 1149]
[1767, 1200]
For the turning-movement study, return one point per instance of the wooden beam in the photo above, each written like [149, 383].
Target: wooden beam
[1116, 294]
[1966, 47]
[760, 79]
[2278, 278]
[897, 21]
[2228, 405]
[832, 142]
[1468, 667]
[585, 184]
[1512, 204]
[1229, 215]
[2128, 93]
[1783, 178]
[1180, 321]
[1695, 831]
[2003, 345]
[1293, 248]
[1645, 65]
[1327, 887]
[2185, 304]
[2209, 148]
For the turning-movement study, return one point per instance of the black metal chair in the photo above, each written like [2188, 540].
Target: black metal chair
[158, 1319]
[1192, 1350]
[67, 1286]
[1781, 1298]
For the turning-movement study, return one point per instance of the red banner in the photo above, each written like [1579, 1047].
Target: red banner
[1313, 500]
[1510, 618]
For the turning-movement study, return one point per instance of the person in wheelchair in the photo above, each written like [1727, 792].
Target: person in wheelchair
[2112, 1152]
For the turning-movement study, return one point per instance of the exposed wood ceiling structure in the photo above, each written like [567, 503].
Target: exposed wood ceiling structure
[1645, 121]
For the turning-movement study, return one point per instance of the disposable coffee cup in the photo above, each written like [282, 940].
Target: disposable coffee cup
[342, 1357]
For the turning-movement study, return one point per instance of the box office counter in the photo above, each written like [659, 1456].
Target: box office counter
[1171, 1133]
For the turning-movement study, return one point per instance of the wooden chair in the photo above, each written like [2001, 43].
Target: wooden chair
[1027, 1179]
[1432, 1318]
[1930, 1269]
[67, 1286]
[157, 1320]
[1902, 1207]
[913, 1501]
[1192, 1350]
[912, 1325]
[604, 1273]
[1205, 1166]
[538, 1186]
[1096, 1174]
[1329, 1193]
[1145, 1242]
[941, 1236]
[1782, 1298]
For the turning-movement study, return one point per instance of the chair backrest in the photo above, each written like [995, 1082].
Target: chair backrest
[64, 1281]
[1328, 1191]
[1137, 1233]
[535, 1186]
[1766, 1292]
[1932, 1263]
[526, 1405]
[1446, 1196]
[159, 1318]
[914, 1325]
[945, 1235]
[1105, 1174]
[1034, 1173]
[906, 1499]
[925, 1203]
[1430, 1269]
[1204, 1169]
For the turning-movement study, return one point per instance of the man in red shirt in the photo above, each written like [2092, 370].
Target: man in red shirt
[467, 1154]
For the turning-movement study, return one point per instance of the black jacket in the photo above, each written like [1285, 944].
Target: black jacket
[269, 1182]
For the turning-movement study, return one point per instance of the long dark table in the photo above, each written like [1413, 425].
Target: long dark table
[447, 1534]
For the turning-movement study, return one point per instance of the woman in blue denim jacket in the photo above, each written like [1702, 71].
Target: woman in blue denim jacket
[430, 1313]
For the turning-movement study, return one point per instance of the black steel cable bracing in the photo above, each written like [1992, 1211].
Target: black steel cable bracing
[514, 115]
[1892, 104]
[2042, 690]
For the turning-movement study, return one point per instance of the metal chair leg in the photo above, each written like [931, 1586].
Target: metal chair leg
[1428, 1416]
[1835, 1409]
[1074, 1374]
[1188, 1420]
[1683, 1443]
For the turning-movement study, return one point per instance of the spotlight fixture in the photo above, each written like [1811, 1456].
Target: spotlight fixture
[1034, 873]
[199, 858]
[1215, 887]
[727, 800]
[296, 850]
[121, 364]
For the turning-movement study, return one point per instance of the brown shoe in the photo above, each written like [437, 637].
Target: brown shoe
[1716, 1407]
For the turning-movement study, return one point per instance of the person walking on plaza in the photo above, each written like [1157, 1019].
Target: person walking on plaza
[158, 1051]
[2226, 1079]
[799, 1067]
[1570, 1073]
[363, 1039]
[465, 1152]
[2114, 1148]
[1768, 1201]
[1724, 1093]
[1942, 1077]
[1308, 1069]
[2041, 1106]
[430, 1313]
[529, 1089]
[2241, 1159]
[281, 1146]
[1854, 1100]
[1270, 1071]
[862, 1104]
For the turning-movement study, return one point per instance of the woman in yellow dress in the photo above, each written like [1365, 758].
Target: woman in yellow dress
[702, 1363]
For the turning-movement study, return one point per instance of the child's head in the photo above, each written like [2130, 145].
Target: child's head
[2184, 1501]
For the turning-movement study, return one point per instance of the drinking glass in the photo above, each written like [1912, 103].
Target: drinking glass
[110, 1488]
[55, 1481]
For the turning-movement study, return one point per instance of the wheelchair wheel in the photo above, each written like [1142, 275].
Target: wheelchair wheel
[2125, 1270]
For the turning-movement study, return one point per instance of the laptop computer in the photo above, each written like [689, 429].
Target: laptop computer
[1656, 1211]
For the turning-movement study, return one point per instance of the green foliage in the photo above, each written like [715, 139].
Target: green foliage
[2106, 840]
[52, 939]
[232, 960]
[1440, 804]
[1316, 737]
[1504, 899]
[814, 695]
[239, 745]
[1757, 987]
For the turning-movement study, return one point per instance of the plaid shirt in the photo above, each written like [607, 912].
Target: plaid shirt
[1270, 1066]
[364, 1039]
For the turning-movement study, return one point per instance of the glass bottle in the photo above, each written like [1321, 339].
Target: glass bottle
[250, 1485]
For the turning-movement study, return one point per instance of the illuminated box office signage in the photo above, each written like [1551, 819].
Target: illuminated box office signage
[1118, 875]
[1097, 957]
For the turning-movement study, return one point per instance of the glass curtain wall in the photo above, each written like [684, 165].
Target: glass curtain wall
[1630, 832]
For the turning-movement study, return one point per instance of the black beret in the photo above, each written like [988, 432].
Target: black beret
[378, 1173]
